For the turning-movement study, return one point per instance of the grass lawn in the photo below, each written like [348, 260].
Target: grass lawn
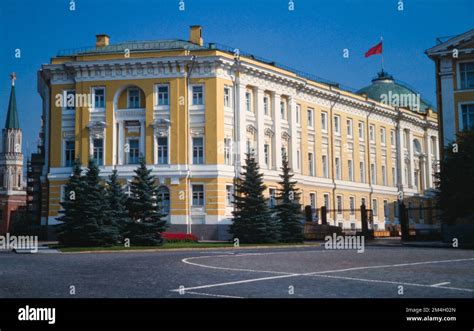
[172, 245]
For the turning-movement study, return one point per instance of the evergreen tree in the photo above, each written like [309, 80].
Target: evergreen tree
[69, 232]
[288, 208]
[117, 203]
[252, 221]
[99, 229]
[144, 209]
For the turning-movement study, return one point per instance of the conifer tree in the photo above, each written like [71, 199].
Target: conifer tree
[288, 208]
[69, 232]
[117, 204]
[144, 209]
[252, 221]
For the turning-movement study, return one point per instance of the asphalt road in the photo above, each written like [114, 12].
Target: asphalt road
[378, 272]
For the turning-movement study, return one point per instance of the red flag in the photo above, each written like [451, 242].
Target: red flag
[377, 49]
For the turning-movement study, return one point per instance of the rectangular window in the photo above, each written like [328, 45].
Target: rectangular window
[133, 98]
[325, 166]
[374, 207]
[163, 95]
[337, 124]
[324, 121]
[385, 209]
[372, 133]
[229, 195]
[70, 100]
[362, 171]
[198, 150]
[226, 96]
[162, 150]
[467, 116]
[198, 95]
[326, 200]
[339, 204]
[198, 195]
[384, 175]
[350, 170]
[405, 139]
[283, 151]
[382, 136]
[133, 151]
[282, 110]
[298, 114]
[393, 139]
[338, 168]
[98, 153]
[349, 127]
[99, 97]
[310, 164]
[265, 106]
[69, 153]
[373, 175]
[228, 151]
[395, 208]
[248, 101]
[466, 75]
[310, 118]
[394, 177]
[266, 154]
[352, 205]
[312, 200]
[361, 131]
[298, 159]
[272, 197]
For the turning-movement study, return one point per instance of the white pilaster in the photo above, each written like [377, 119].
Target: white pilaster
[277, 128]
[411, 174]
[428, 161]
[258, 102]
[121, 144]
[293, 132]
[142, 138]
[401, 158]
[241, 125]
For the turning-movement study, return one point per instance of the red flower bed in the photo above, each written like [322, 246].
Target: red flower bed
[179, 237]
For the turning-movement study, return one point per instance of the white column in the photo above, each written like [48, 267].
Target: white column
[428, 161]
[411, 174]
[142, 138]
[260, 125]
[241, 126]
[401, 166]
[121, 143]
[277, 129]
[293, 132]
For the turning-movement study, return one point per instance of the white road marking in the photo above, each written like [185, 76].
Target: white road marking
[397, 283]
[440, 284]
[214, 295]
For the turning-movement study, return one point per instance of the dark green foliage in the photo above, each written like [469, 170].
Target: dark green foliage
[455, 181]
[22, 224]
[289, 208]
[308, 213]
[144, 210]
[252, 221]
[117, 204]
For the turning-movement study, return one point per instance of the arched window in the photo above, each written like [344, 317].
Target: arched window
[164, 199]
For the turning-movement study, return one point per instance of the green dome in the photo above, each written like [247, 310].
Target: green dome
[386, 90]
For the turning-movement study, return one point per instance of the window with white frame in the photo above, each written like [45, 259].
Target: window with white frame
[99, 97]
[69, 153]
[394, 176]
[133, 98]
[384, 175]
[352, 205]
[162, 95]
[466, 75]
[324, 121]
[337, 124]
[325, 166]
[198, 150]
[298, 114]
[283, 110]
[362, 171]
[266, 153]
[349, 127]
[272, 197]
[163, 195]
[70, 99]
[228, 151]
[162, 143]
[310, 118]
[229, 195]
[361, 131]
[226, 96]
[310, 164]
[374, 207]
[198, 95]
[338, 168]
[198, 195]
[312, 200]
[373, 175]
[326, 200]
[133, 151]
[406, 143]
[266, 109]
[372, 133]
[339, 204]
[386, 211]
[98, 151]
[467, 116]
[393, 138]
[382, 136]
[350, 169]
[248, 105]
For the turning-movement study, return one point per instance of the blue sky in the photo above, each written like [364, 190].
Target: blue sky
[311, 38]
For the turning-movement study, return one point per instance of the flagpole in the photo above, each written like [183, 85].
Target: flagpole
[381, 40]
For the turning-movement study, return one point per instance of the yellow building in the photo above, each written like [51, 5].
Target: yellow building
[193, 110]
[454, 64]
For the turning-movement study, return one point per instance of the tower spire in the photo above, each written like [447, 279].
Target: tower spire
[12, 121]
